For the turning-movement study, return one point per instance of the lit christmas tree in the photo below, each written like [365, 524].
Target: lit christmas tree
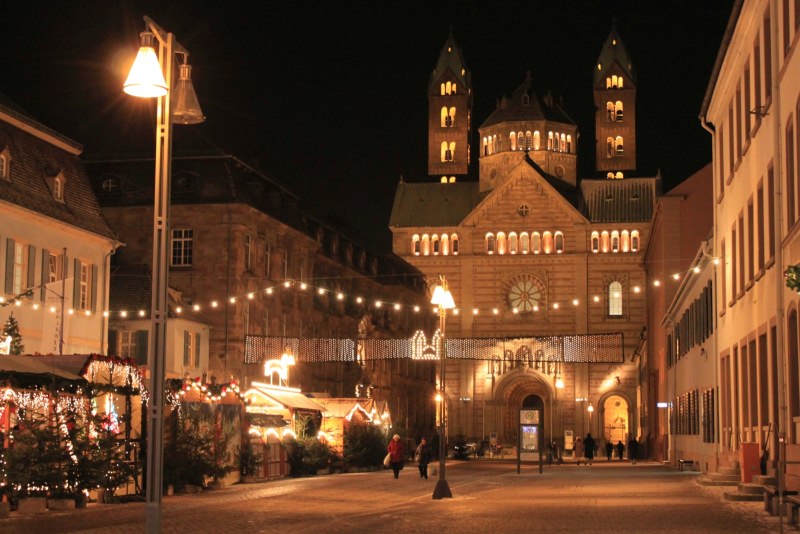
[11, 328]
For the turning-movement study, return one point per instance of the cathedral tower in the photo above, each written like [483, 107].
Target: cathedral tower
[615, 109]
[449, 114]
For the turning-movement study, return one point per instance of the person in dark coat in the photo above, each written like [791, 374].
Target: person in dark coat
[423, 457]
[397, 452]
[588, 446]
[620, 449]
[609, 449]
[633, 449]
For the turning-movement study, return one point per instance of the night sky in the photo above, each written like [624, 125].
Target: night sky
[329, 98]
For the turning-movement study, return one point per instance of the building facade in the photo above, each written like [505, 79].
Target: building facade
[529, 250]
[250, 263]
[55, 244]
[752, 109]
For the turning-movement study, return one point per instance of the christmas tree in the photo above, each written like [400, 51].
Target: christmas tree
[11, 328]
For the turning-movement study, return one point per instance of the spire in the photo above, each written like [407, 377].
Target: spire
[613, 51]
[450, 58]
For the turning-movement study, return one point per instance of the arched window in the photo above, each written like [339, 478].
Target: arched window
[491, 145]
[490, 242]
[528, 140]
[615, 299]
[416, 245]
[452, 116]
[635, 241]
[498, 143]
[512, 139]
[619, 83]
[536, 140]
[610, 147]
[618, 110]
[619, 146]
[568, 149]
[452, 150]
[520, 141]
[610, 176]
[556, 143]
[604, 243]
[626, 241]
[445, 117]
[444, 151]
[426, 245]
[445, 245]
[443, 90]
[502, 246]
[449, 88]
[485, 147]
[524, 242]
[454, 244]
[453, 88]
[452, 179]
[444, 179]
[614, 241]
[619, 175]
[58, 188]
[526, 100]
[3, 167]
[512, 243]
[435, 243]
[547, 242]
[614, 81]
[610, 112]
[595, 241]
[549, 140]
[559, 242]
[564, 143]
[536, 243]
[608, 83]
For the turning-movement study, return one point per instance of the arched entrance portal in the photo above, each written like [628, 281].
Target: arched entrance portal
[523, 389]
[615, 419]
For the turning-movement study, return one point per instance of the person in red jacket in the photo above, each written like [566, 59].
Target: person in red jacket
[397, 451]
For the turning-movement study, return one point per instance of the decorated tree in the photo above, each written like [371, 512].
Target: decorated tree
[11, 328]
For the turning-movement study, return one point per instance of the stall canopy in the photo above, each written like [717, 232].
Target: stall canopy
[31, 371]
[290, 399]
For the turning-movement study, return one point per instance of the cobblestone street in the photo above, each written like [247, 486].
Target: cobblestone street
[488, 496]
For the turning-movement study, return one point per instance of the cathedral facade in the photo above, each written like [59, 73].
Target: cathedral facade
[532, 251]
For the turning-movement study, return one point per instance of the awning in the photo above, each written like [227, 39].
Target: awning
[289, 399]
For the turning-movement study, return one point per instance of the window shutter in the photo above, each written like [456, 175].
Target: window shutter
[112, 343]
[141, 347]
[76, 283]
[197, 350]
[31, 281]
[93, 297]
[9, 265]
[45, 274]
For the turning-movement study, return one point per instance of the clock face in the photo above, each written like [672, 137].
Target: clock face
[524, 295]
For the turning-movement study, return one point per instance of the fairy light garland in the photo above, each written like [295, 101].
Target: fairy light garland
[211, 392]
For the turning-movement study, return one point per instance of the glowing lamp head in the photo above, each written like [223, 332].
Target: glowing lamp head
[442, 297]
[145, 79]
[559, 383]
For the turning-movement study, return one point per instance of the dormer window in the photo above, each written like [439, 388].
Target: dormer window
[526, 100]
[58, 188]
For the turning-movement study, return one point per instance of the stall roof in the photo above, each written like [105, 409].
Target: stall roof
[288, 398]
[33, 366]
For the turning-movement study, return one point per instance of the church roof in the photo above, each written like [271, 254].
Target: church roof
[613, 51]
[450, 58]
[433, 204]
[525, 105]
[628, 200]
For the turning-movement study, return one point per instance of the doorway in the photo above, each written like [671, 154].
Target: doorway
[615, 419]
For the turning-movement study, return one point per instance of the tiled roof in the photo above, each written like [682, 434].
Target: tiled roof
[33, 160]
[628, 200]
[515, 109]
[433, 204]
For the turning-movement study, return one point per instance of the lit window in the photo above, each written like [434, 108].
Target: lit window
[568, 146]
[83, 286]
[536, 243]
[435, 243]
[595, 242]
[528, 140]
[490, 243]
[426, 245]
[604, 242]
[610, 112]
[615, 299]
[512, 139]
[626, 241]
[618, 110]
[445, 247]
[634, 241]
[614, 241]
[58, 188]
[549, 140]
[454, 243]
[416, 245]
[3, 167]
[512, 243]
[182, 247]
[445, 117]
[501, 243]
[610, 147]
[559, 242]
[547, 242]
[524, 242]
[618, 143]
[536, 140]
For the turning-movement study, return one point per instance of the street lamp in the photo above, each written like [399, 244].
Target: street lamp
[151, 76]
[444, 300]
[590, 409]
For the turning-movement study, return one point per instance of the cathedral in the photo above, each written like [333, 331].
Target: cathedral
[546, 267]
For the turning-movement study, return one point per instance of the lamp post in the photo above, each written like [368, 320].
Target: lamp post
[590, 409]
[444, 300]
[151, 76]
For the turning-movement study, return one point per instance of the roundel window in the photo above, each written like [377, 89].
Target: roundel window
[525, 294]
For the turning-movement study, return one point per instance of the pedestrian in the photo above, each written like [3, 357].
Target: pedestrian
[579, 450]
[588, 446]
[609, 449]
[620, 449]
[397, 452]
[423, 457]
[633, 449]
